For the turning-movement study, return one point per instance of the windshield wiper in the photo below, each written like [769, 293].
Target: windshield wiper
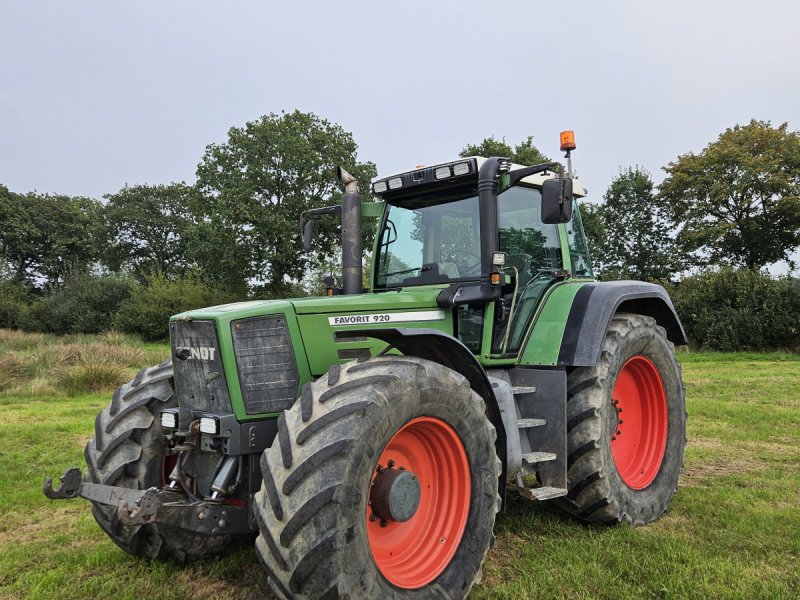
[420, 269]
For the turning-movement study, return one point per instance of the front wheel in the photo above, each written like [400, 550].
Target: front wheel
[381, 483]
[626, 427]
[127, 451]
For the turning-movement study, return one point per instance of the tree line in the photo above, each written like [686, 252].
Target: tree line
[147, 251]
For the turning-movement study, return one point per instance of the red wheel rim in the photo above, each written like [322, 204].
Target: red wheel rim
[640, 439]
[413, 553]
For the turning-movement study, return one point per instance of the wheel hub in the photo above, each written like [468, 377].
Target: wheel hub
[394, 495]
[419, 499]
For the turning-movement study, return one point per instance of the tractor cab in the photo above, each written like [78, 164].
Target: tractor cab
[496, 258]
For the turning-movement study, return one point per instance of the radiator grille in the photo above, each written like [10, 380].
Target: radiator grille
[266, 363]
[199, 377]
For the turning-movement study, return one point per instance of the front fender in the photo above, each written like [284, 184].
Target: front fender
[446, 350]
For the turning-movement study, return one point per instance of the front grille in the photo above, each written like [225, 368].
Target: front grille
[266, 363]
[199, 377]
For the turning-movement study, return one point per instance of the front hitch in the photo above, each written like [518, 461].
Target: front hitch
[144, 507]
[68, 488]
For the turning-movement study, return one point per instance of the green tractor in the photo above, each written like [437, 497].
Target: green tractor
[366, 440]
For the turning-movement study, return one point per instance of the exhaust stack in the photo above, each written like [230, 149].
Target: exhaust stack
[351, 233]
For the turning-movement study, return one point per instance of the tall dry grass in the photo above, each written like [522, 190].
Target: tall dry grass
[39, 364]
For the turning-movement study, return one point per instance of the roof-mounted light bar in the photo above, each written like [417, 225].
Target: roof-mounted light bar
[454, 172]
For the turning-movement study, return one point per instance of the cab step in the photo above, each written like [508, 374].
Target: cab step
[538, 457]
[528, 423]
[519, 390]
[542, 493]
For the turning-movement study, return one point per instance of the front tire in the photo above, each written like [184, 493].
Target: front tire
[626, 423]
[128, 451]
[322, 533]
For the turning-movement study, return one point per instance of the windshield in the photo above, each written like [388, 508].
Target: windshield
[432, 243]
[438, 243]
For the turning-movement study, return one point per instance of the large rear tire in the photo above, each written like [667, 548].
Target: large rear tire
[352, 433]
[626, 423]
[127, 450]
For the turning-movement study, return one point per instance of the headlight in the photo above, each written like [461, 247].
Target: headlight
[169, 419]
[209, 424]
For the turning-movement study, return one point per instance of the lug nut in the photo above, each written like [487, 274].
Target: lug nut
[390, 464]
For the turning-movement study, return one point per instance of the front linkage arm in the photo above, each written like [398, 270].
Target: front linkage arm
[142, 507]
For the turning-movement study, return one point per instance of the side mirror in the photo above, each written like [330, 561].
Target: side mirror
[557, 200]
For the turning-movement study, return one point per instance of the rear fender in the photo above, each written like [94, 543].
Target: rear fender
[595, 305]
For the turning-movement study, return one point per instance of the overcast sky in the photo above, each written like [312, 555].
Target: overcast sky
[94, 95]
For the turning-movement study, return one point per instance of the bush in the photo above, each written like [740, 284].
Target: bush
[14, 301]
[146, 313]
[84, 304]
[91, 377]
[731, 310]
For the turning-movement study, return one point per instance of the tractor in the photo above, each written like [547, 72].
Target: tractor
[366, 440]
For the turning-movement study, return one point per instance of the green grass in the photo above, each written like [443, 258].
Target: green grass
[733, 529]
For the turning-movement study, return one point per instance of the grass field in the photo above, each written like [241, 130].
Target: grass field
[733, 529]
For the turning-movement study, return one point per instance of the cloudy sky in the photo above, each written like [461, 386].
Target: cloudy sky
[94, 95]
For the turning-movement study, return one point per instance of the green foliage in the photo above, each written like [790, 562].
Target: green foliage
[632, 239]
[739, 199]
[14, 300]
[83, 304]
[594, 226]
[254, 188]
[146, 229]
[91, 377]
[146, 313]
[524, 153]
[741, 309]
[48, 236]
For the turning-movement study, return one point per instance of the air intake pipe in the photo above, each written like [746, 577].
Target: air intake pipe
[487, 206]
[351, 233]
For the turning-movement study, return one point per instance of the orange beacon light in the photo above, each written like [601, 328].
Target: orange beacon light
[567, 141]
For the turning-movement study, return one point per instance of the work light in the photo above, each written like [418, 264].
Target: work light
[442, 172]
[461, 168]
[379, 187]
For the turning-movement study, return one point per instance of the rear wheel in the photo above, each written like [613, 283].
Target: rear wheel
[128, 451]
[626, 427]
[381, 483]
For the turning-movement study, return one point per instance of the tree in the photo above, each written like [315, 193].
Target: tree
[254, 188]
[147, 227]
[48, 236]
[636, 234]
[739, 199]
[524, 153]
[594, 227]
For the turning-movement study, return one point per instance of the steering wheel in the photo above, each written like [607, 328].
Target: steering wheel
[465, 270]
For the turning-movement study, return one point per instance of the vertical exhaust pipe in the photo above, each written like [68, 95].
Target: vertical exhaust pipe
[351, 233]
